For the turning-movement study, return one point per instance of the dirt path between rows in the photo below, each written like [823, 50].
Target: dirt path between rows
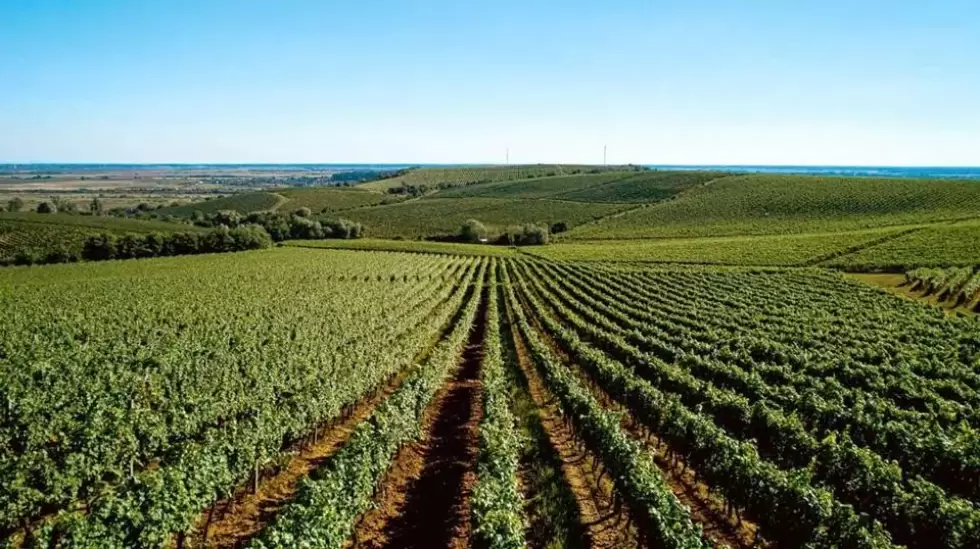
[233, 522]
[722, 528]
[425, 498]
[603, 526]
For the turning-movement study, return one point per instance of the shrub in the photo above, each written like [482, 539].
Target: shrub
[15, 204]
[46, 208]
[472, 231]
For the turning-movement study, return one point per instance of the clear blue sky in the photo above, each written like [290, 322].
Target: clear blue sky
[774, 82]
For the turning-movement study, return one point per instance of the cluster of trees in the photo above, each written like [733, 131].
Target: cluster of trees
[222, 239]
[133, 246]
[55, 205]
[528, 234]
[300, 224]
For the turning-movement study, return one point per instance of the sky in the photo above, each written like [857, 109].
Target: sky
[830, 82]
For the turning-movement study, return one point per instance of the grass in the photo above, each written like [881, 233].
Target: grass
[330, 199]
[242, 203]
[431, 217]
[785, 250]
[446, 248]
[770, 204]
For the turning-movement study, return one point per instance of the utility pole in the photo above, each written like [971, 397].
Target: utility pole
[603, 155]
[508, 156]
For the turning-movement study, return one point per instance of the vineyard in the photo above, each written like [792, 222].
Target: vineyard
[300, 397]
[41, 234]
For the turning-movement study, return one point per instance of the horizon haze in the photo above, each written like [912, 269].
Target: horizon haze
[665, 83]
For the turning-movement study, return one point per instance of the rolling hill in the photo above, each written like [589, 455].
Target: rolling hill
[768, 204]
[40, 234]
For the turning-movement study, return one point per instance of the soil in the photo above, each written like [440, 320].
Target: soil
[707, 509]
[604, 527]
[233, 522]
[424, 500]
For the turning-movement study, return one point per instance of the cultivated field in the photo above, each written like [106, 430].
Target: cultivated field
[700, 360]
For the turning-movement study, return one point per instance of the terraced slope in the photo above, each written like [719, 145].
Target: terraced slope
[768, 204]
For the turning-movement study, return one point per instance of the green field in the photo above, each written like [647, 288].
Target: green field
[242, 203]
[944, 244]
[330, 200]
[767, 204]
[793, 249]
[434, 177]
[420, 246]
[173, 398]
[42, 233]
[428, 217]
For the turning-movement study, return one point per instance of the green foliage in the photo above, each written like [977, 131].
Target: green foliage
[239, 239]
[15, 204]
[540, 187]
[498, 506]
[688, 363]
[790, 249]
[326, 200]
[414, 246]
[429, 179]
[30, 235]
[778, 204]
[243, 203]
[442, 217]
[472, 231]
[185, 374]
[652, 186]
[941, 244]
[324, 514]
[46, 208]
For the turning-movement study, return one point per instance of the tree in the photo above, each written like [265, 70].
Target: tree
[46, 208]
[559, 227]
[303, 212]
[15, 204]
[99, 247]
[473, 231]
[96, 206]
[64, 205]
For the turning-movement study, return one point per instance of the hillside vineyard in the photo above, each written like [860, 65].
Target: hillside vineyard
[304, 398]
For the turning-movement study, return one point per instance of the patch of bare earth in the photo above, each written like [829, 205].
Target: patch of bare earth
[605, 525]
[425, 496]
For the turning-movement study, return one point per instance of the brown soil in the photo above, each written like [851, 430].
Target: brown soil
[603, 525]
[233, 522]
[895, 283]
[708, 510]
[424, 499]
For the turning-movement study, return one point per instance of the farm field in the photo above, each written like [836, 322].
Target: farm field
[310, 397]
[706, 382]
[21, 231]
[769, 204]
[420, 246]
[433, 217]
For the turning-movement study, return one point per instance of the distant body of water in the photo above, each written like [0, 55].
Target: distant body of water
[866, 171]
